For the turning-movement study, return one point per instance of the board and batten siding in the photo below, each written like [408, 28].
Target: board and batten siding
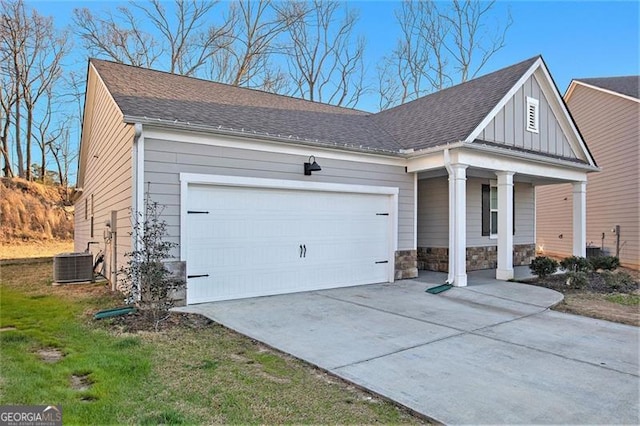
[107, 174]
[433, 213]
[164, 160]
[509, 125]
[611, 128]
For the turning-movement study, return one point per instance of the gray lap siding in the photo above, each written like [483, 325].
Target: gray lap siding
[164, 160]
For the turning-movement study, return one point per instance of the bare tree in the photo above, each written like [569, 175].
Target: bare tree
[181, 42]
[325, 63]
[440, 44]
[118, 37]
[248, 60]
[32, 53]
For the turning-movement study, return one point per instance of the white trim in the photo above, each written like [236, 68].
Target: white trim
[293, 148]
[550, 91]
[476, 132]
[574, 83]
[565, 113]
[415, 211]
[238, 181]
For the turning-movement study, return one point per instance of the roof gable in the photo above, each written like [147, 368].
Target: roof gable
[561, 136]
[626, 87]
[450, 115]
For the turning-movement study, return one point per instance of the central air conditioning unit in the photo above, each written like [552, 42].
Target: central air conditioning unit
[72, 267]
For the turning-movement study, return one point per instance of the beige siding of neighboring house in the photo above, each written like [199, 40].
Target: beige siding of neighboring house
[433, 213]
[610, 126]
[509, 125]
[164, 160]
[106, 179]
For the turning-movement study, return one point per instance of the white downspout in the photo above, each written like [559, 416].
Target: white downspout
[452, 234]
[137, 208]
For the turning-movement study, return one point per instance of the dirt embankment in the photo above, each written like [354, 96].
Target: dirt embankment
[33, 212]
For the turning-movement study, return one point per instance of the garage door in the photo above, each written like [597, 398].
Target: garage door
[247, 242]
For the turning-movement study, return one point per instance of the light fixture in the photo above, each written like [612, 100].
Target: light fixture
[311, 166]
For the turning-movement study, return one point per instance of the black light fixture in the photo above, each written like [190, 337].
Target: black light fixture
[311, 166]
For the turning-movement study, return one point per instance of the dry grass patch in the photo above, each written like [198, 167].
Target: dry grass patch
[34, 249]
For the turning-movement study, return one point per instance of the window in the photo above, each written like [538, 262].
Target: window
[532, 115]
[490, 210]
[493, 211]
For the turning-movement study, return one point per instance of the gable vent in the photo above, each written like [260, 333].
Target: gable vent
[532, 115]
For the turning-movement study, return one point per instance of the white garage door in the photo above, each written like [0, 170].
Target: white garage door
[246, 242]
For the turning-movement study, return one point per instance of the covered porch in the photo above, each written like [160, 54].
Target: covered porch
[476, 208]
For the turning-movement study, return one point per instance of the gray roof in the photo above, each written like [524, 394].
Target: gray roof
[447, 116]
[627, 85]
[153, 94]
[450, 115]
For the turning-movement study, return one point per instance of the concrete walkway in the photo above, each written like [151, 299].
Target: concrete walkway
[490, 353]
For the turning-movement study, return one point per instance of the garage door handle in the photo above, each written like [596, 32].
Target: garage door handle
[197, 276]
[301, 250]
[304, 246]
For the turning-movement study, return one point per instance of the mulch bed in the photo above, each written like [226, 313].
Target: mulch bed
[596, 283]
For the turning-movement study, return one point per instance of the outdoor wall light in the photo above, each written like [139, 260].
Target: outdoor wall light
[311, 166]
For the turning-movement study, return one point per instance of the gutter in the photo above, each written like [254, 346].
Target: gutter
[227, 131]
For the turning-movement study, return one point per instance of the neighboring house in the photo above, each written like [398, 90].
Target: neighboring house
[607, 112]
[446, 182]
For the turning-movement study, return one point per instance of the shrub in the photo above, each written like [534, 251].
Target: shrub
[619, 281]
[577, 279]
[543, 266]
[575, 264]
[606, 263]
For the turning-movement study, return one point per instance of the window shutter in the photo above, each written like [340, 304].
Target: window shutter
[486, 210]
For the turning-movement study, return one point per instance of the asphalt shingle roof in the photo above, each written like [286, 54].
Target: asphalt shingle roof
[627, 85]
[153, 94]
[450, 115]
[447, 116]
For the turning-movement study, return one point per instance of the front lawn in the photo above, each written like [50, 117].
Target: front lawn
[53, 352]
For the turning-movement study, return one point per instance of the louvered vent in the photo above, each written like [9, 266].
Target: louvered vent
[532, 115]
[73, 267]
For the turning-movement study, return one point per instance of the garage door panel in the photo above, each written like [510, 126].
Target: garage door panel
[249, 241]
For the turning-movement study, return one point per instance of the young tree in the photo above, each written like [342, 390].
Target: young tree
[440, 44]
[325, 63]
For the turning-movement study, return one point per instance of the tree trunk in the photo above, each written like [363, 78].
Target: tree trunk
[18, 143]
[28, 141]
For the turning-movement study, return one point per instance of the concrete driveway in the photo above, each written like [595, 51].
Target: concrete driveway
[489, 353]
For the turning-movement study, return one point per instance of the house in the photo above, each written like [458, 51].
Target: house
[267, 194]
[607, 112]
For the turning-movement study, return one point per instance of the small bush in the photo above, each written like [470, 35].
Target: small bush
[606, 263]
[543, 266]
[618, 281]
[577, 279]
[575, 264]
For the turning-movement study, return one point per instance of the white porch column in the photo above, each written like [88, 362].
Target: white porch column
[580, 218]
[505, 226]
[458, 224]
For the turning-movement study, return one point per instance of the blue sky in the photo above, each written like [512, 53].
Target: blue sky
[576, 38]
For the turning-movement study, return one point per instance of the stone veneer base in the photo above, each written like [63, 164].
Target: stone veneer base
[437, 258]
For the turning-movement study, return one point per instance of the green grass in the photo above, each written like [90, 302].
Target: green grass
[182, 375]
[624, 299]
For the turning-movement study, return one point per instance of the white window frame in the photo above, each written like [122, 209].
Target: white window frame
[493, 190]
[532, 115]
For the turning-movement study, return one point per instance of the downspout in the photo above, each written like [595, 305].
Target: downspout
[452, 235]
[137, 207]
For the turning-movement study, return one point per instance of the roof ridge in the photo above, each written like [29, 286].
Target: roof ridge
[459, 85]
[231, 86]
